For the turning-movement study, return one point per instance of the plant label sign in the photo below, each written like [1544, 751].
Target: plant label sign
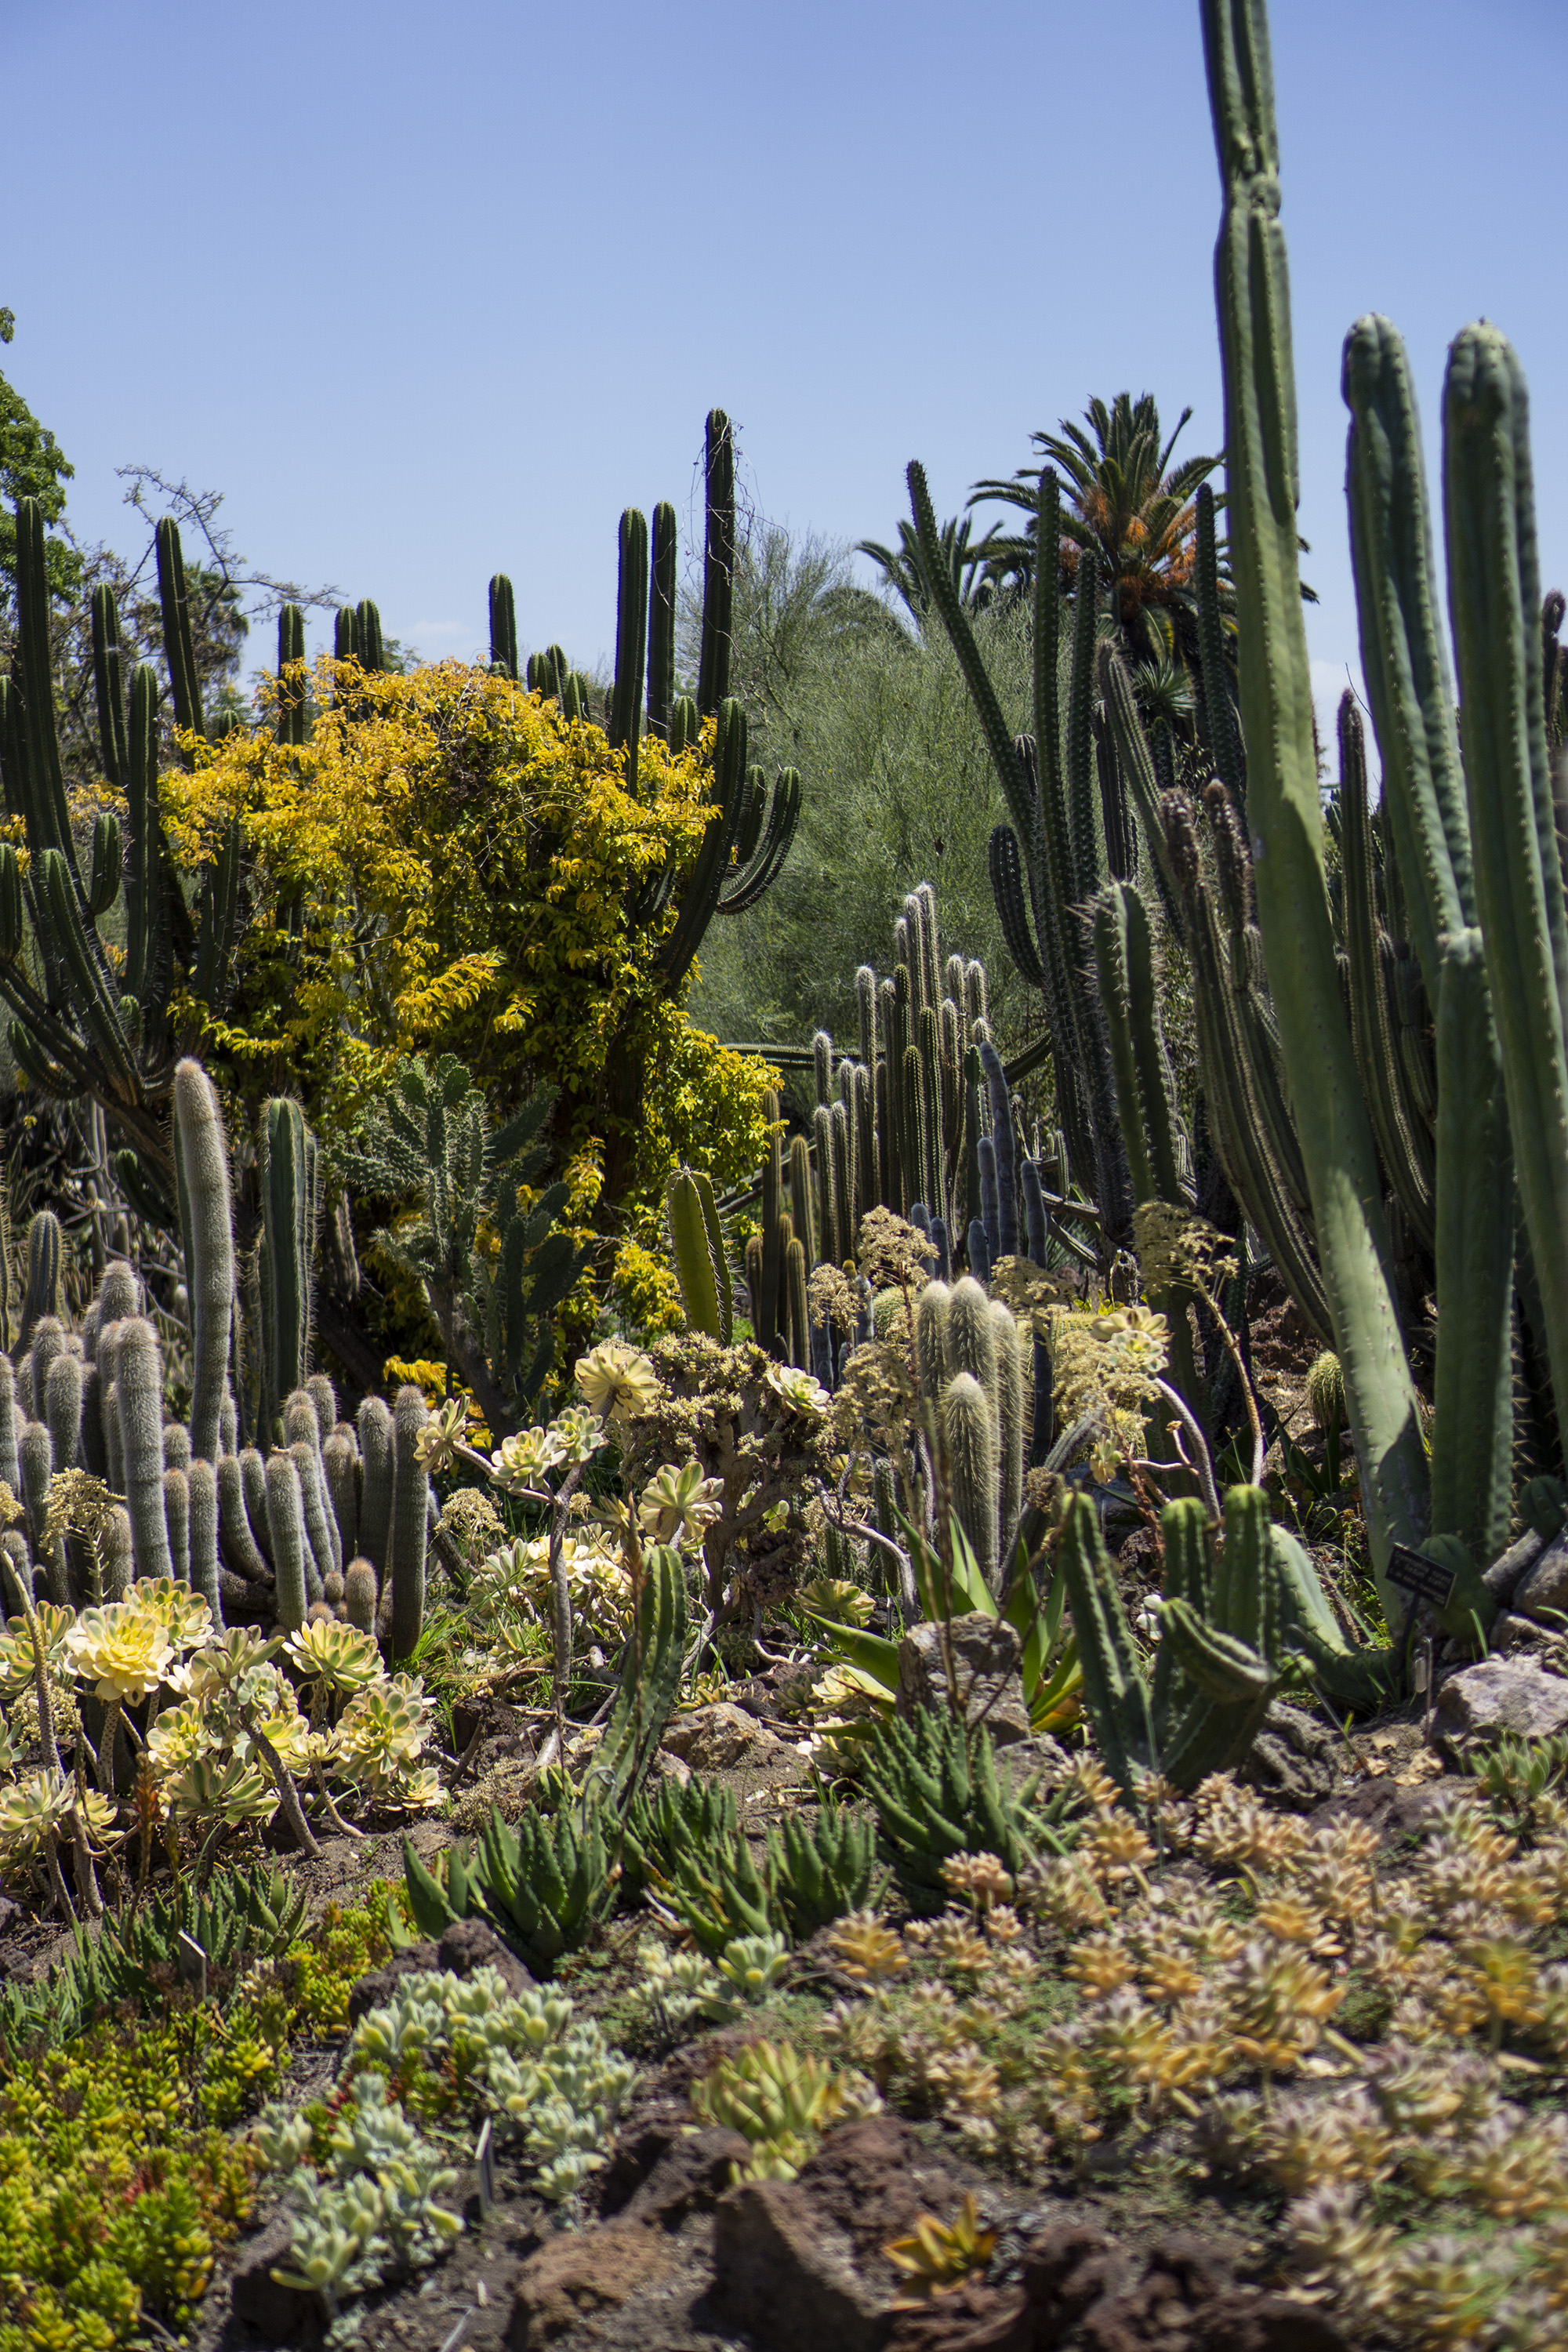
[1421, 1578]
[484, 2159]
[192, 1962]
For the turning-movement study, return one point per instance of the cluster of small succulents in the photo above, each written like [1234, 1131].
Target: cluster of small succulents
[365, 2178]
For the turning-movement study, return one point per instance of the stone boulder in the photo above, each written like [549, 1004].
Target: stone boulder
[985, 1658]
[1504, 1578]
[1482, 1703]
[722, 1738]
[1295, 1758]
[579, 2276]
[1542, 1591]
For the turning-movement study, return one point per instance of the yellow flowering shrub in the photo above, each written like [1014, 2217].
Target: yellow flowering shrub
[445, 868]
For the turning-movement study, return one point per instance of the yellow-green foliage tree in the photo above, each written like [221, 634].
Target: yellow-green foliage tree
[444, 867]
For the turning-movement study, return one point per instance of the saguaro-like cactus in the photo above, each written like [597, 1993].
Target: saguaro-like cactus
[1283, 807]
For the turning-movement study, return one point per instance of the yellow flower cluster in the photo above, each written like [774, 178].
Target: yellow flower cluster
[445, 866]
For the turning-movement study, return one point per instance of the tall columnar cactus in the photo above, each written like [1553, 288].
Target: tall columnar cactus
[702, 1263]
[1494, 594]
[42, 1296]
[208, 1216]
[285, 1520]
[1045, 865]
[625, 723]
[341, 1471]
[62, 1403]
[241, 1549]
[410, 1527]
[82, 1026]
[323, 1555]
[179, 644]
[202, 1502]
[661, 621]
[503, 627]
[291, 694]
[177, 1519]
[289, 1201]
[375, 1445]
[717, 566]
[1283, 807]
[139, 1379]
[970, 1438]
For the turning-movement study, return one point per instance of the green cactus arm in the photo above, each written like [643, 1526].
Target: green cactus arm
[202, 1163]
[1006, 866]
[109, 688]
[1239, 1129]
[1083, 827]
[624, 728]
[1217, 1665]
[1402, 655]
[692, 1248]
[219, 902]
[717, 566]
[661, 621]
[179, 647]
[1244, 1601]
[291, 688]
[503, 625]
[1283, 810]
[700, 895]
[760, 866]
[99, 1010]
[144, 895]
[1225, 742]
[1114, 1689]
[1494, 598]
[651, 1675]
[949, 609]
[50, 825]
[1376, 1049]
[1472, 1436]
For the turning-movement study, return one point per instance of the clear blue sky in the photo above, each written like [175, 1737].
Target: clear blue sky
[430, 291]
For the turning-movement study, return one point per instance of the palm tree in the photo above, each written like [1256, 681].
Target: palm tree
[983, 570]
[1123, 498]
